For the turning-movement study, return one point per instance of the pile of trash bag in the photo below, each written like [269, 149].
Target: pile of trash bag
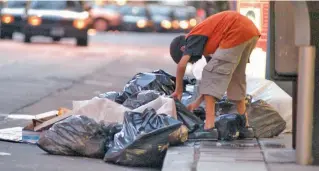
[143, 141]
[78, 135]
[151, 122]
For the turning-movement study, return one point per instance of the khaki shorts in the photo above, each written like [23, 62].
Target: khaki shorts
[225, 72]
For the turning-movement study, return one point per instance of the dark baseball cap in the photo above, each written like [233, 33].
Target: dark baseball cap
[175, 48]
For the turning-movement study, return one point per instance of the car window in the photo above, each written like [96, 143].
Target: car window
[135, 11]
[16, 4]
[158, 10]
[56, 5]
[192, 12]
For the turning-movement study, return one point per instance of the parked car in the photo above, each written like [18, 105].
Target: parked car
[105, 17]
[184, 18]
[11, 18]
[136, 18]
[162, 17]
[57, 19]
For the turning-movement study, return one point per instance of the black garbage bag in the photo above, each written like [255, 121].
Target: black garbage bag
[229, 126]
[143, 141]
[189, 119]
[186, 80]
[225, 106]
[111, 130]
[140, 98]
[148, 81]
[265, 120]
[113, 95]
[76, 136]
[200, 112]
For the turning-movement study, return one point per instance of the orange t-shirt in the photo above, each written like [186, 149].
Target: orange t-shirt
[223, 30]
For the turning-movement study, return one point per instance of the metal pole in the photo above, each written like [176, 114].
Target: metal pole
[305, 97]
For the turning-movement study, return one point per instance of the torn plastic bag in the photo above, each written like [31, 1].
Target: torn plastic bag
[140, 98]
[229, 126]
[76, 136]
[191, 121]
[143, 141]
[265, 120]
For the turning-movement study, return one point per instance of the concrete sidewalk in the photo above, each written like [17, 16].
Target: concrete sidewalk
[273, 154]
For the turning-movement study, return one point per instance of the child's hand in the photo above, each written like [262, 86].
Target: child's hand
[177, 95]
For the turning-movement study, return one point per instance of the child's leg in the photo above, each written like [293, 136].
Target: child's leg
[210, 112]
[237, 87]
[241, 109]
[194, 105]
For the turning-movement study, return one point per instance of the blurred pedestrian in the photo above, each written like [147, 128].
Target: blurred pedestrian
[228, 39]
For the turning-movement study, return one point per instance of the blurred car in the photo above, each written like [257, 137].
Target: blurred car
[11, 18]
[105, 17]
[136, 18]
[162, 17]
[184, 18]
[57, 19]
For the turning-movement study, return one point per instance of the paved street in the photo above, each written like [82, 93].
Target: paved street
[44, 76]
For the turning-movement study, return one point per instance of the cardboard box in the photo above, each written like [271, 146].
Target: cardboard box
[29, 134]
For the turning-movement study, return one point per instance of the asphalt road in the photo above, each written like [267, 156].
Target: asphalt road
[44, 76]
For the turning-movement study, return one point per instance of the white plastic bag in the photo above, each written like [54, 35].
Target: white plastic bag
[100, 109]
[162, 104]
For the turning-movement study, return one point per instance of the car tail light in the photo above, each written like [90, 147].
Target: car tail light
[192, 22]
[141, 23]
[7, 19]
[166, 24]
[183, 24]
[175, 24]
[80, 23]
[34, 20]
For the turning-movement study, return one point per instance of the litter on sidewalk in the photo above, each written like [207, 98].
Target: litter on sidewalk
[135, 126]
